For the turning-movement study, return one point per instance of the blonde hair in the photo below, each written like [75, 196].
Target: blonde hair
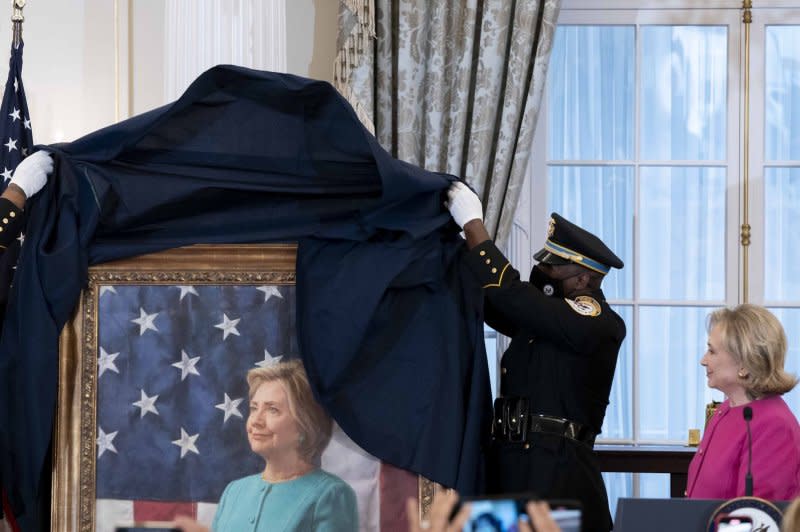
[755, 339]
[314, 424]
[791, 517]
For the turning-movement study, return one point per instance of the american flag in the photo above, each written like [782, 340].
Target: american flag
[172, 402]
[16, 134]
[16, 137]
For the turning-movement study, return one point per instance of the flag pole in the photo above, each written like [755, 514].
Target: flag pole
[17, 18]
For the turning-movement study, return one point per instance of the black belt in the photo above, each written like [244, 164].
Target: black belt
[513, 423]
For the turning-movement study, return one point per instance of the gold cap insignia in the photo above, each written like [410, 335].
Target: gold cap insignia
[551, 227]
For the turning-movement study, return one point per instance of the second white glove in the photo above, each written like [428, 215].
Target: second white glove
[463, 204]
[31, 174]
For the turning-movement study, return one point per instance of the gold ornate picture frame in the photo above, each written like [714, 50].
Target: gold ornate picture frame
[75, 439]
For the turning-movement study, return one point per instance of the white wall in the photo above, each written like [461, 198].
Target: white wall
[89, 63]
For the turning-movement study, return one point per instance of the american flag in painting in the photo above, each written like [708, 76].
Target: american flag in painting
[172, 403]
[171, 393]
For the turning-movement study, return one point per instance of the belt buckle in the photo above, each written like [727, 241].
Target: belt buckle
[571, 431]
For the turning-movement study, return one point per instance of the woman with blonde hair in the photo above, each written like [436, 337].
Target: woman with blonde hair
[745, 358]
[791, 517]
[289, 429]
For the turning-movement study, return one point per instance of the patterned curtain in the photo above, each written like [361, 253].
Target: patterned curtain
[451, 86]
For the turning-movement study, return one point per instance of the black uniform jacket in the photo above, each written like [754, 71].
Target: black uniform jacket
[11, 224]
[562, 357]
[563, 353]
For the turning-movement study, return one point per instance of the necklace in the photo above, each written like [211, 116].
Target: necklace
[276, 479]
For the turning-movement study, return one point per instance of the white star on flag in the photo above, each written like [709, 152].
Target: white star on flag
[230, 407]
[187, 290]
[146, 404]
[187, 365]
[6, 174]
[24, 152]
[228, 326]
[11, 144]
[268, 360]
[108, 288]
[186, 443]
[16, 85]
[14, 114]
[270, 291]
[145, 321]
[27, 123]
[106, 362]
[105, 442]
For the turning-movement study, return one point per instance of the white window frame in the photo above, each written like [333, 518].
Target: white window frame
[756, 258]
[528, 231]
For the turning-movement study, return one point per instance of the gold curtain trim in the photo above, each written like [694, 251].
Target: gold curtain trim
[351, 52]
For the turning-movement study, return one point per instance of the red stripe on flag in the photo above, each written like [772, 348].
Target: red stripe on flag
[162, 511]
[396, 485]
[8, 515]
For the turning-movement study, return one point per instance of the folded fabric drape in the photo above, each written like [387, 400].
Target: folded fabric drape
[389, 328]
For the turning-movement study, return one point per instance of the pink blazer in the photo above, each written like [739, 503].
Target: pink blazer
[718, 468]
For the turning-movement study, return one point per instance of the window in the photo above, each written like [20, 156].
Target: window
[640, 141]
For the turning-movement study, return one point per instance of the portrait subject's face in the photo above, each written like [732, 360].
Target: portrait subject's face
[271, 429]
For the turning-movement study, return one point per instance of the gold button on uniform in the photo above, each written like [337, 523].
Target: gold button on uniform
[503, 371]
[483, 253]
[5, 220]
[494, 270]
[488, 261]
[13, 214]
[526, 446]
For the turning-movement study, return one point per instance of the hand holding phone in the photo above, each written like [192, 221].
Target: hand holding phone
[504, 512]
[445, 514]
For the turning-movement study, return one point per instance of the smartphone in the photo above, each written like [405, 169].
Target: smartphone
[147, 526]
[734, 523]
[500, 514]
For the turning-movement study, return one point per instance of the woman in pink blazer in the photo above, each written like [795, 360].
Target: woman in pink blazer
[744, 360]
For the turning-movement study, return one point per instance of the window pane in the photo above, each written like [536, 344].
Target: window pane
[782, 225]
[684, 92]
[782, 94]
[672, 391]
[654, 485]
[590, 83]
[790, 318]
[617, 485]
[490, 340]
[682, 232]
[599, 199]
[618, 423]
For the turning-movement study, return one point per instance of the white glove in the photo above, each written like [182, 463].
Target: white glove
[31, 174]
[463, 204]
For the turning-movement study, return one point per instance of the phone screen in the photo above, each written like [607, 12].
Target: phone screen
[144, 529]
[147, 526]
[503, 515]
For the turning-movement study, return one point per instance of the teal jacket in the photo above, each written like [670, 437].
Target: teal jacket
[316, 502]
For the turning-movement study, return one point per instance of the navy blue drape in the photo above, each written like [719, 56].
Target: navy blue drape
[389, 325]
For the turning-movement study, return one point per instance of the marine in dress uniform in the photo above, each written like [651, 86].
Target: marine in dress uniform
[557, 372]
